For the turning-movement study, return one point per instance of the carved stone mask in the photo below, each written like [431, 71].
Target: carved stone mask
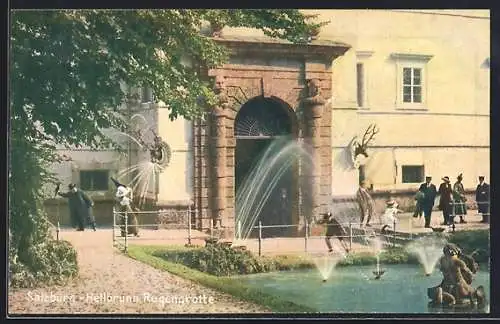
[313, 88]
[219, 83]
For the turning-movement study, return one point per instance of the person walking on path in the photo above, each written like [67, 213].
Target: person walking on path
[460, 199]
[334, 229]
[483, 199]
[445, 199]
[428, 189]
[80, 207]
[366, 204]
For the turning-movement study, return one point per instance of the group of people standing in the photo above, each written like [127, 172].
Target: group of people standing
[452, 200]
[80, 208]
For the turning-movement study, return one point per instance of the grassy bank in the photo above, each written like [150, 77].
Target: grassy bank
[150, 255]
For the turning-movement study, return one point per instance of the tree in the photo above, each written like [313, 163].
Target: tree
[67, 71]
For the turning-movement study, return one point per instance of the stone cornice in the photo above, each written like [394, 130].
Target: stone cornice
[265, 46]
[411, 57]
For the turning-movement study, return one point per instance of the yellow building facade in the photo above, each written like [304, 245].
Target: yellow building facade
[422, 77]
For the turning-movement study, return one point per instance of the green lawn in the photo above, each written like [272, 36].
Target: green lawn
[228, 285]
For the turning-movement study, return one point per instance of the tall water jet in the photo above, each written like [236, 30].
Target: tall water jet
[258, 186]
[428, 250]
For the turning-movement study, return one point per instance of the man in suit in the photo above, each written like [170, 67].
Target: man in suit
[80, 207]
[427, 201]
[483, 199]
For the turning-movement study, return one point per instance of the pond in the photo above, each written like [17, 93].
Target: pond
[352, 289]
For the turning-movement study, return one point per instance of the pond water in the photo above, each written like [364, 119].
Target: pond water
[353, 289]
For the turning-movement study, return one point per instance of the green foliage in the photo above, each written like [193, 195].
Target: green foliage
[152, 255]
[48, 262]
[223, 260]
[477, 241]
[67, 74]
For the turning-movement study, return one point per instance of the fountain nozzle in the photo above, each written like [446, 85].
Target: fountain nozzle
[378, 274]
[324, 280]
[427, 274]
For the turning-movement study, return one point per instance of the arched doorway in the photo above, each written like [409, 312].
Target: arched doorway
[260, 123]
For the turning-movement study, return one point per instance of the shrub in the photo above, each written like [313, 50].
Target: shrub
[223, 260]
[49, 262]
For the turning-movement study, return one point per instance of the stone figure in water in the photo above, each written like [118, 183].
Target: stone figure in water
[124, 207]
[458, 272]
[333, 229]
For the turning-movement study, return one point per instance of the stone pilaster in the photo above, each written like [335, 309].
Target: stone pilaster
[313, 106]
[222, 219]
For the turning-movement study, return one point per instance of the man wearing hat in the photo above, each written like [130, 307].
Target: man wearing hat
[80, 206]
[427, 201]
[445, 198]
[333, 228]
[459, 198]
[483, 199]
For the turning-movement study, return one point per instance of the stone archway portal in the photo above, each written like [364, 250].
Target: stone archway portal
[262, 127]
[300, 75]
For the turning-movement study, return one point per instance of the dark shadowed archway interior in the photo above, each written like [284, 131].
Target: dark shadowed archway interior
[259, 122]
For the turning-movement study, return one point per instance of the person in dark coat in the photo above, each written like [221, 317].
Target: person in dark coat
[427, 201]
[80, 206]
[333, 228]
[460, 199]
[445, 197]
[483, 199]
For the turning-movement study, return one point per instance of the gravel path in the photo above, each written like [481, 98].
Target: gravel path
[110, 282]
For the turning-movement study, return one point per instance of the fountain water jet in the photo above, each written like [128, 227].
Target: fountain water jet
[377, 245]
[261, 181]
[428, 250]
[326, 262]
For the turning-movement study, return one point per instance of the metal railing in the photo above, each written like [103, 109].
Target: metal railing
[392, 236]
[121, 223]
[308, 227]
[452, 215]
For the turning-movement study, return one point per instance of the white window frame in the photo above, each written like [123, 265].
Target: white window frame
[362, 58]
[414, 61]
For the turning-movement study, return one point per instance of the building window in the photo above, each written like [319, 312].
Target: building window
[412, 173]
[412, 85]
[362, 66]
[360, 84]
[94, 180]
[411, 80]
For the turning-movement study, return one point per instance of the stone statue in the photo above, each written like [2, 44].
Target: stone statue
[458, 271]
[220, 91]
[313, 88]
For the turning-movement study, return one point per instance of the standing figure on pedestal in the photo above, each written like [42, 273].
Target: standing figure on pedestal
[124, 207]
[80, 207]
